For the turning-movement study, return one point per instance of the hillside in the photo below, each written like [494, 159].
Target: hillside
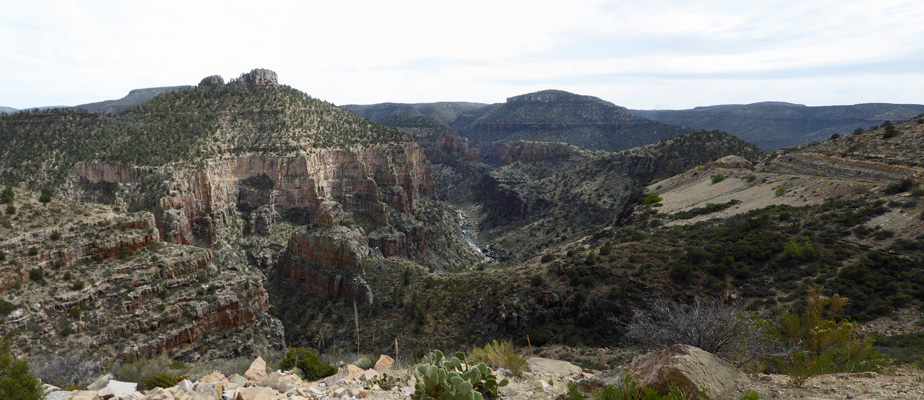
[446, 113]
[773, 125]
[546, 116]
[267, 183]
[133, 98]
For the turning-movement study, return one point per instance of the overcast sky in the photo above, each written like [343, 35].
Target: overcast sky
[664, 54]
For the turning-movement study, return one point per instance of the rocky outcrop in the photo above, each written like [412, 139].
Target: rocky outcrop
[814, 164]
[198, 203]
[690, 368]
[211, 81]
[326, 260]
[732, 161]
[259, 77]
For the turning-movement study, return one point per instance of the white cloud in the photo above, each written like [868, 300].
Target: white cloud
[667, 52]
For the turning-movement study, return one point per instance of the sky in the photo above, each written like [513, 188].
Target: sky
[653, 54]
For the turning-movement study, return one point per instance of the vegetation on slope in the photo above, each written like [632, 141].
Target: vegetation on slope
[187, 126]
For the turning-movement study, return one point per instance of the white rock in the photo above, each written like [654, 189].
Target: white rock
[185, 385]
[553, 367]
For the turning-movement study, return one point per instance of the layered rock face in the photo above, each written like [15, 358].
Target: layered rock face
[199, 202]
[326, 261]
[808, 163]
[85, 276]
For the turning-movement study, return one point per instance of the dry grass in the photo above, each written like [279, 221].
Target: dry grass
[499, 355]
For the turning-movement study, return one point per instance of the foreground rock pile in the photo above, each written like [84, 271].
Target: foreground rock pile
[687, 366]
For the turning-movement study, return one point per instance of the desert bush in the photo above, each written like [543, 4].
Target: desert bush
[10, 209]
[37, 274]
[6, 196]
[16, 383]
[150, 373]
[651, 198]
[717, 178]
[712, 325]
[780, 191]
[826, 343]
[547, 257]
[681, 273]
[901, 186]
[308, 361]
[500, 355]
[366, 362]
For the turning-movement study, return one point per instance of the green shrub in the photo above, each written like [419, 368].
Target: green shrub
[500, 355]
[546, 258]
[826, 343]
[55, 235]
[749, 395]
[651, 199]
[6, 308]
[6, 196]
[536, 280]
[681, 273]
[36, 274]
[2, 255]
[45, 197]
[33, 251]
[453, 379]
[901, 186]
[10, 209]
[16, 382]
[308, 361]
[717, 178]
[161, 380]
[78, 285]
[573, 392]
[780, 191]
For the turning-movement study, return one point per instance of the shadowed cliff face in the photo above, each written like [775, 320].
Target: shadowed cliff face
[197, 203]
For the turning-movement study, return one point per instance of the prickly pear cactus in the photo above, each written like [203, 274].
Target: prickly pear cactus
[439, 378]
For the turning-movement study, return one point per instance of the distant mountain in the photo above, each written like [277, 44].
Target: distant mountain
[446, 113]
[133, 98]
[545, 116]
[772, 125]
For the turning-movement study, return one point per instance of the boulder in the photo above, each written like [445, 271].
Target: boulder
[237, 380]
[257, 393]
[211, 391]
[83, 395]
[280, 382]
[185, 385]
[350, 372]
[257, 370]
[553, 367]
[100, 382]
[368, 375]
[214, 377]
[384, 363]
[59, 395]
[158, 394]
[117, 389]
[690, 368]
